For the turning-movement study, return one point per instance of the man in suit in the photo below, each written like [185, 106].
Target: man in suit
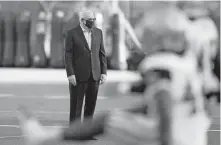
[86, 65]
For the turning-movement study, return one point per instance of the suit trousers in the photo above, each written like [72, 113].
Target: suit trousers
[87, 89]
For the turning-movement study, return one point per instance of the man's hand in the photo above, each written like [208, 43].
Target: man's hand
[103, 78]
[72, 80]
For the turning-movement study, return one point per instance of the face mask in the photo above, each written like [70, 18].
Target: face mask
[89, 24]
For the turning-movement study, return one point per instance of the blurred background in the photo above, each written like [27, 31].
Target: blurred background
[32, 65]
[32, 32]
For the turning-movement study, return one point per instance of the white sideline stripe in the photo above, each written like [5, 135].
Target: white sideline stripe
[18, 126]
[26, 78]
[6, 95]
[41, 76]
[38, 112]
[11, 96]
[4, 137]
[67, 97]
[12, 126]
[47, 112]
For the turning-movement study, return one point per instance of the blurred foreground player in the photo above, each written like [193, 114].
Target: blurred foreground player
[169, 31]
[161, 30]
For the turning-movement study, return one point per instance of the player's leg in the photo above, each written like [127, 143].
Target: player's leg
[87, 130]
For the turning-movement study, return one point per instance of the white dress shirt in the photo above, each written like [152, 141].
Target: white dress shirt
[87, 34]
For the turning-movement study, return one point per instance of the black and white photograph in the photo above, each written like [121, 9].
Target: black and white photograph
[110, 72]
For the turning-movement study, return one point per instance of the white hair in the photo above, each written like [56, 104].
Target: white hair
[84, 13]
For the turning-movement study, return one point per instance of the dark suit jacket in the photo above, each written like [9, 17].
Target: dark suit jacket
[79, 59]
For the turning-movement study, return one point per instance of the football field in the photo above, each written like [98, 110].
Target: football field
[46, 93]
